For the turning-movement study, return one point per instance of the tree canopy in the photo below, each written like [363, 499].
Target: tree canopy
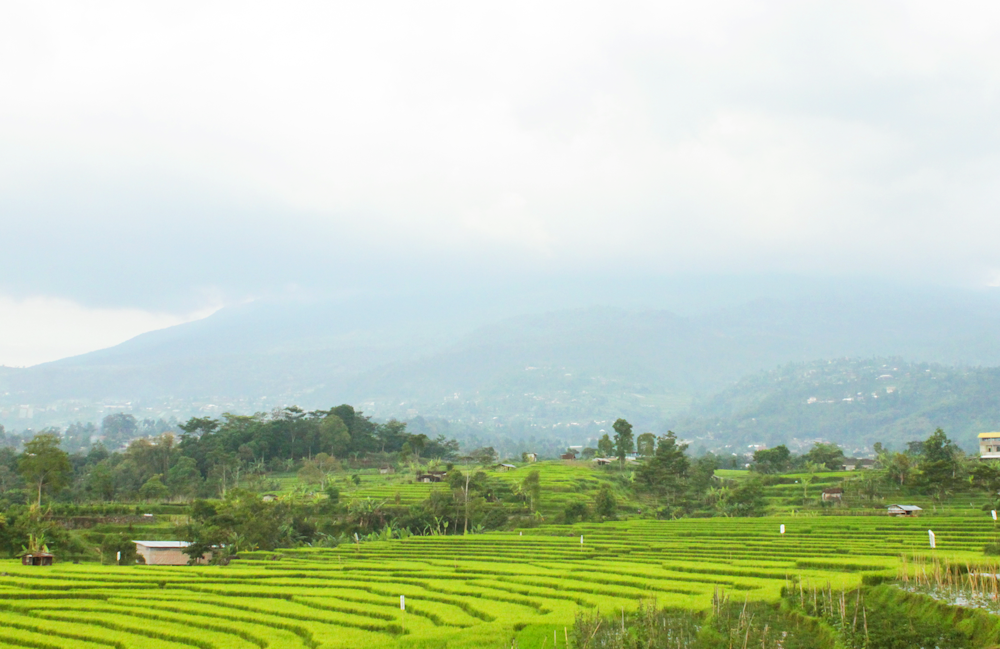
[45, 465]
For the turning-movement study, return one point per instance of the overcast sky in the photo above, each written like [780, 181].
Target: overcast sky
[158, 160]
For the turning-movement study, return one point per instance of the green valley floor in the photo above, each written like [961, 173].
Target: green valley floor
[481, 590]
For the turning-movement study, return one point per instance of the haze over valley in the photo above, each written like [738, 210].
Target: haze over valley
[502, 226]
[558, 377]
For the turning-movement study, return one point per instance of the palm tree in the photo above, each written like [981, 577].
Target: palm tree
[811, 469]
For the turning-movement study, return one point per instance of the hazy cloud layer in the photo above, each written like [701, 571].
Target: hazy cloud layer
[44, 329]
[169, 157]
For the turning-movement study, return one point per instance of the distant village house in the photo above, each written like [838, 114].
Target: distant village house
[989, 446]
[166, 553]
[904, 510]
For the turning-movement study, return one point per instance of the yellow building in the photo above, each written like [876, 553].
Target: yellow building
[989, 446]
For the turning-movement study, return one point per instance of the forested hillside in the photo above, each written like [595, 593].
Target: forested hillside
[516, 375]
[852, 402]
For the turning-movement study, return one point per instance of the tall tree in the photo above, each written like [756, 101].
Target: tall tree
[746, 498]
[829, 456]
[390, 435]
[118, 429]
[665, 474]
[986, 476]
[900, 467]
[332, 436]
[939, 465]
[772, 460]
[605, 446]
[154, 489]
[811, 468]
[624, 443]
[605, 503]
[645, 444]
[101, 481]
[532, 485]
[44, 465]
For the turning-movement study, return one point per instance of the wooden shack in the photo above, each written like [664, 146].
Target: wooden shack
[37, 559]
[836, 494]
[904, 510]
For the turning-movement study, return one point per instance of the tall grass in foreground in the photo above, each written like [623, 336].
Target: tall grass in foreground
[960, 584]
[814, 617]
[730, 625]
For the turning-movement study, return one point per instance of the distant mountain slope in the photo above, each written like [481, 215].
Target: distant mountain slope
[852, 402]
[565, 367]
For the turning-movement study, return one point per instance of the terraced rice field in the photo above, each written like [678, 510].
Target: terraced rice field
[561, 484]
[474, 591]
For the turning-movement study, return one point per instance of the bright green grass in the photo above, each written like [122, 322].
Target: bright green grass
[472, 591]
[562, 483]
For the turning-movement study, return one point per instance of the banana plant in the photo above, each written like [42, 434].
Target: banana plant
[35, 545]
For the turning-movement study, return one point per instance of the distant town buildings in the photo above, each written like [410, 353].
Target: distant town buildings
[989, 446]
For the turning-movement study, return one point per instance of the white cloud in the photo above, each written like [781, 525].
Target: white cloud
[40, 329]
[730, 136]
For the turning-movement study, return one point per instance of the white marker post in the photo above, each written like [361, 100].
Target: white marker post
[119, 558]
[994, 512]
[581, 539]
[402, 607]
[782, 528]
[931, 535]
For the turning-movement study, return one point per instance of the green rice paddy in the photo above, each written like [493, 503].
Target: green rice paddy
[472, 591]
[562, 483]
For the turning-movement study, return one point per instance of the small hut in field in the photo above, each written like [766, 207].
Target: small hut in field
[37, 559]
[836, 495]
[36, 553]
[166, 553]
[904, 510]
